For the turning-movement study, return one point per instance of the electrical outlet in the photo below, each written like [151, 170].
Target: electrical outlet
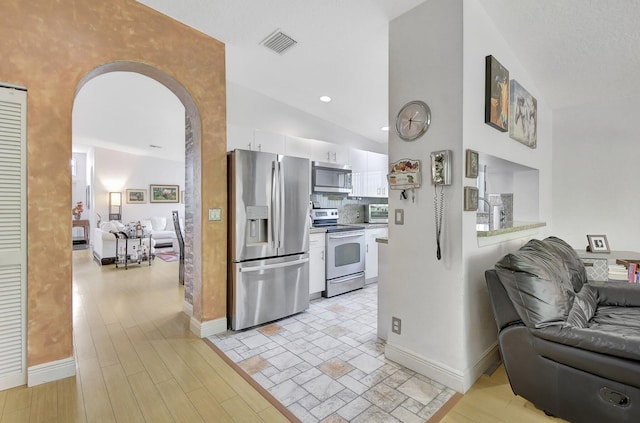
[215, 214]
[396, 325]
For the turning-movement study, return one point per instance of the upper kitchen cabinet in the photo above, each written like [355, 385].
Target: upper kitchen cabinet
[320, 151]
[358, 162]
[369, 173]
[239, 137]
[268, 142]
[254, 139]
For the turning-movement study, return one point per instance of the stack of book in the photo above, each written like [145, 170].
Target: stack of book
[617, 272]
[626, 270]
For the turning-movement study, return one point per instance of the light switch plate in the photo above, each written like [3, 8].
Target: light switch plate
[215, 214]
[399, 213]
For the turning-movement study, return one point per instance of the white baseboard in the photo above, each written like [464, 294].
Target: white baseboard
[490, 356]
[187, 308]
[48, 372]
[208, 328]
[431, 369]
[439, 372]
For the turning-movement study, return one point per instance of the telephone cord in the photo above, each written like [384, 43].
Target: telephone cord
[438, 212]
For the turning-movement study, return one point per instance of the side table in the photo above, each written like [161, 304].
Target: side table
[84, 224]
[597, 264]
[132, 249]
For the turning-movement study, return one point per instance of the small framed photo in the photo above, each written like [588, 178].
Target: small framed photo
[164, 193]
[470, 198]
[598, 244]
[471, 169]
[136, 196]
[496, 98]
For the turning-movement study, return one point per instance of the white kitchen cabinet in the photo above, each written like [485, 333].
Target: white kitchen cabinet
[239, 137]
[268, 142]
[371, 252]
[317, 268]
[315, 150]
[377, 169]
[358, 163]
[254, 139]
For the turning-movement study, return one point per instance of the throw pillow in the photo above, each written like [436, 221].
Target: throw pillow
[118, 225]
[107, 227]
[146, 225]
[533, 279]
[570, 257]
[584, 307]
[158, 223]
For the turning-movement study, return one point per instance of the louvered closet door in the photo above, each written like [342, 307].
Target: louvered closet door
[13, 237]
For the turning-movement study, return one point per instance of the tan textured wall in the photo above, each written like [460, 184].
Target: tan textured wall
[49, 46]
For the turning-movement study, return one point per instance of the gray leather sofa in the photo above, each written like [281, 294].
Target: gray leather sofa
[571, 348]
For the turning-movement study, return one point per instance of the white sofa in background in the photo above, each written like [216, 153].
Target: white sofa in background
[163, 238]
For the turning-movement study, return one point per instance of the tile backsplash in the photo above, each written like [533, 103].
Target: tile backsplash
[351, 210]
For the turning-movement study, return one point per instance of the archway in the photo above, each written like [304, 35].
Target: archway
[192, 227]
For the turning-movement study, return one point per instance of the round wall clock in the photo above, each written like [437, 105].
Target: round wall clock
[413, 120]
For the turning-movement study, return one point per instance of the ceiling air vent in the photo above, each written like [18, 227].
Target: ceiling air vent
[279, 42]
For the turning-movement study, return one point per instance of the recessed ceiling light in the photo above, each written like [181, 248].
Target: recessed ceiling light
[385, 129]
[155, 146]
[325, 98]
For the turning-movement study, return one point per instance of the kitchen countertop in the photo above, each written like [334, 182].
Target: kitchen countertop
[313, 230]
[382, 240]
[483, 229]
[370, 225]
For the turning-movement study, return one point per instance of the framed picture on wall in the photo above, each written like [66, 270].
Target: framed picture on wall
[598, 244]
[164, 193]
[523, 118]
[471, 168]
[136, 196]
[470, 198]
[496, 96]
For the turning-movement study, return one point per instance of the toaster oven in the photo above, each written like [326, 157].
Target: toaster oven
[376, 213]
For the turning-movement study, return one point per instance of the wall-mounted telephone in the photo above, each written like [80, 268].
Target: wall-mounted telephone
[440, 176]
[441, 167]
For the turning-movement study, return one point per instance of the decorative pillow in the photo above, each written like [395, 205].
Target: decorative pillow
[584, 307]
[571, 259]
[107, 227]
[537, 283]
[118, 225]
[158, 223]
[146, 225]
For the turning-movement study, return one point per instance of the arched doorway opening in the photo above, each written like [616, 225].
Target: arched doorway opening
[192, 160]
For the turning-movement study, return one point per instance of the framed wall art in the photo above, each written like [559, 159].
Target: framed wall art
[164, 193]
[523, 116]
[470, 198]
[496, 101]
[136, 196]
[598, 244]
[472, 163]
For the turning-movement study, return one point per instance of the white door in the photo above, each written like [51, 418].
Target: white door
[13, 237]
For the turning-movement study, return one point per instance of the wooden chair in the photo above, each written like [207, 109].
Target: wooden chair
[176, 225]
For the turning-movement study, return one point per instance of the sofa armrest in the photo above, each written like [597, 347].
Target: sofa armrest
[617, 293]
[622, 344]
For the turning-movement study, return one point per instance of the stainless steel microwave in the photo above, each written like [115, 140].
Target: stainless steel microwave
[376, 213]
[331, 178]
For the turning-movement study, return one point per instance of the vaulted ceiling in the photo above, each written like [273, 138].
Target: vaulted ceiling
[577, 51]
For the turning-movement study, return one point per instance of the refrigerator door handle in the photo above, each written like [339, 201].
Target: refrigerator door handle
[274, 212]
[282, 206]
[273, 266]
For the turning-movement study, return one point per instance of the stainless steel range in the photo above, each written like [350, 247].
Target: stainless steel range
[345, 251]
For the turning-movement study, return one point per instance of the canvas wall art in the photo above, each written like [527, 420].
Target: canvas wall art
[496, 108]
[523, 119]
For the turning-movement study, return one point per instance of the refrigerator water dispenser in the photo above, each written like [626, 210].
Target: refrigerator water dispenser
[257, 225]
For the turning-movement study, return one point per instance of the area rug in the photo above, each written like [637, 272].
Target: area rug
[168, 256]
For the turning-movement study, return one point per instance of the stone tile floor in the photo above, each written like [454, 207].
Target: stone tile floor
[327, 365]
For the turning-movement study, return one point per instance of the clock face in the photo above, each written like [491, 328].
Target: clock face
[413, 120]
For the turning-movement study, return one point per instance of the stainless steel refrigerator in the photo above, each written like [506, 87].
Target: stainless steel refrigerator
[268, 237]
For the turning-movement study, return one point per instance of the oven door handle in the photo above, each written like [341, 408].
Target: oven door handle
[347, 235]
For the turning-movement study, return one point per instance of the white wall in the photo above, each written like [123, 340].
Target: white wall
[437, 54]
[481, 38]
[426, 64]
[249, 109]
[116, 172]
[595, 167]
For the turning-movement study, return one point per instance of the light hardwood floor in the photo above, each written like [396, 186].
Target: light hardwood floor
[490, 400]
[137, 360]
